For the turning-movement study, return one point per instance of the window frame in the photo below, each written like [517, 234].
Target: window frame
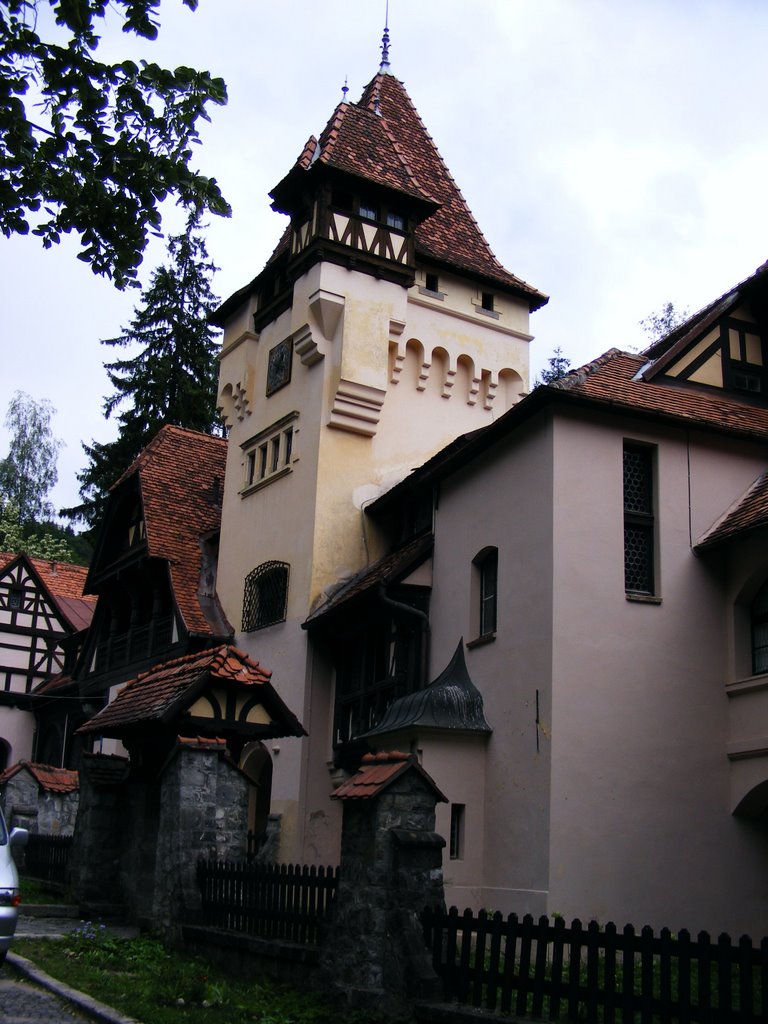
[258, 612]
[640, 521]
[270, 454]
[484, 596]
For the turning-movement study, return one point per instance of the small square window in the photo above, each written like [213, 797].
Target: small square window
[396, 220]
[432, 282]
[487, 301]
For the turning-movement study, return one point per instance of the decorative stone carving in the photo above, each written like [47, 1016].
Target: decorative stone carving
[357, 408]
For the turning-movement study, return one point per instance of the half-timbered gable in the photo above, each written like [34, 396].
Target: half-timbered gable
[723, 346]
[41, 606]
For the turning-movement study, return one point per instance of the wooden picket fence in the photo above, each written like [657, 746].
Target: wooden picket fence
[545, 970]
[274, 901]
[46, 857]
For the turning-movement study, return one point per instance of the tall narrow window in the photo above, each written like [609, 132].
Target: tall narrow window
[485, 566]
[639, 523]
[456, 846]
[759, 616]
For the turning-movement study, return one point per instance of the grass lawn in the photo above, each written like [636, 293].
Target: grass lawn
[144, 980]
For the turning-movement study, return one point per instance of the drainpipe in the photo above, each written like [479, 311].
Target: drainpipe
[424, 619]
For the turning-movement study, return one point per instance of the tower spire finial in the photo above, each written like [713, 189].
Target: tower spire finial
[345, 89]
[384, 66]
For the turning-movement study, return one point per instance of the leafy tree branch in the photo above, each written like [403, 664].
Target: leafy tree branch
[107, 143]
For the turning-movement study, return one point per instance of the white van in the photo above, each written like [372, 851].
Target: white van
[10, 897]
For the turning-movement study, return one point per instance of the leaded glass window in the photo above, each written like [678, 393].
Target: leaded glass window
[266, 596]
[638, 520]
[759, 614]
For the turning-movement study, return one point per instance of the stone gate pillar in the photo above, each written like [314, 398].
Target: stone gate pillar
[391, 868]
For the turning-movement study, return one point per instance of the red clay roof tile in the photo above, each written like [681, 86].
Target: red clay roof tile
[377, 771]
[181, 476]
[161, 691]
[747, 513]
[64, 582]
[49, 778]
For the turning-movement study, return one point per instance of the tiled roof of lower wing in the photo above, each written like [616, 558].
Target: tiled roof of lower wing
[747, 513]
[612, 380]
[64, 582]
[157, 695]
[48, 777]
[387, 570]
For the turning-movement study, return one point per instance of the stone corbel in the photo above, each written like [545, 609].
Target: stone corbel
[450, 380]
[327, 307]
[305, 346]
[356, 408]
[490, 392]
[474, 390]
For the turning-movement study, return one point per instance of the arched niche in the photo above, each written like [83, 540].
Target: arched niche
[510, 389]
[256, 764]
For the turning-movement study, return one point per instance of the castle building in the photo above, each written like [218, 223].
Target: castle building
[381, 328]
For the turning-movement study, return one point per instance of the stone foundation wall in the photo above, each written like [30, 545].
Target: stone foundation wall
[25, 805]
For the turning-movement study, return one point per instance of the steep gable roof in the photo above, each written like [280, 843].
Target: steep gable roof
[64, 584]
[181, 480]
[163, 692]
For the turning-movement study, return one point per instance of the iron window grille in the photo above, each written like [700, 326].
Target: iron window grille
[266, 596]
[639, 525]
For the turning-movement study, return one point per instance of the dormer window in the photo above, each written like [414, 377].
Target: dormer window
[368, 211]
[396, 221]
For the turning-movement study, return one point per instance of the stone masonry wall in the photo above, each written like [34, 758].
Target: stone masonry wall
[25, 805]
[391, 867]
[203, 812]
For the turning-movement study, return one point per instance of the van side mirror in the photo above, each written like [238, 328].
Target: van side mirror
[19, 837]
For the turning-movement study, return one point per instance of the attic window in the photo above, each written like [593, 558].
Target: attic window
[396, 221]
[432, 282]
[368, 211]
[16, 598]
[487, 302]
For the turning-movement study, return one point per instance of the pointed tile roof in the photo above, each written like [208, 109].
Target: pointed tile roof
[49, 778]
[382, 139]
[377, 772]
[451, 702]
[64, 582]
[181, 481]
[163, 692]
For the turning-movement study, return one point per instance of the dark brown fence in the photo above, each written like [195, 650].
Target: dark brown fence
[274, 901]
[47, 857]
[546, 970]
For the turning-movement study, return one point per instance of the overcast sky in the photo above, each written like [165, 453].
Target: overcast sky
[613, 153]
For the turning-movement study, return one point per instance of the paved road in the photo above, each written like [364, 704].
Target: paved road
[24, 1003]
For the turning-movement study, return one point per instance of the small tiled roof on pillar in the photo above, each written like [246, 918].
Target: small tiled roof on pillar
[378, 771]
[48, 777]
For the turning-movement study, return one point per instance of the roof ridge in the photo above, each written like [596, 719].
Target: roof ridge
[580, 373]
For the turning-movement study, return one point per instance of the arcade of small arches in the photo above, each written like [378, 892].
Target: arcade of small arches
[454, 375]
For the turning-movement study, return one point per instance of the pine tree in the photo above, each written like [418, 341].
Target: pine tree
[173, 376]
[559, 365]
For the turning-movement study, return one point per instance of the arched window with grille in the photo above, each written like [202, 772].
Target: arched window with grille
[265, 599]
